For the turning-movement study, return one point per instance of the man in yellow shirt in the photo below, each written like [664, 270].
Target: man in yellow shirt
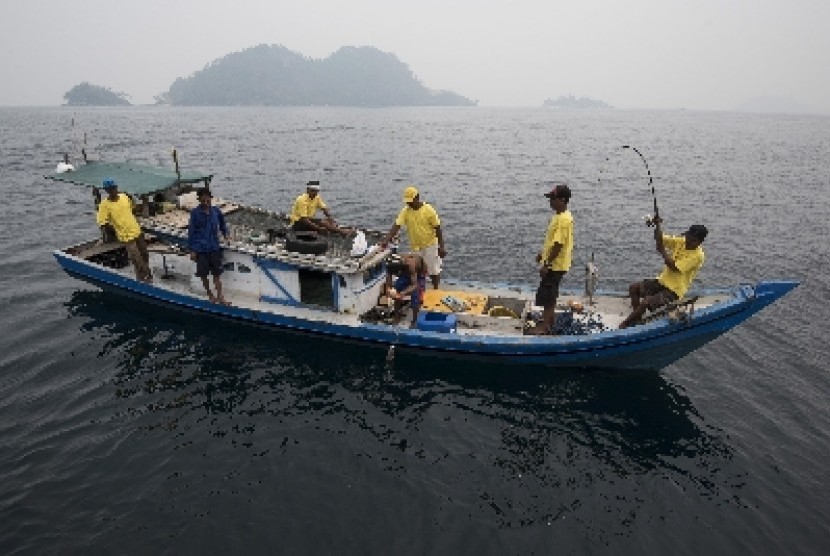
[117, 211]
[555, 257]
[305, 208]
[683, 257]
[423, 228]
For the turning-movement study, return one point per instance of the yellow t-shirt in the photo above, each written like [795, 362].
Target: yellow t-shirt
[306, 207]
[687, 261]
[560, 230]
[420, 225]
[119, 214]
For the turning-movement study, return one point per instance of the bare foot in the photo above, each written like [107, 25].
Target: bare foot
[223, 301]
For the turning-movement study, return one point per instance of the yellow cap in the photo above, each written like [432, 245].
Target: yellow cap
[409, 194]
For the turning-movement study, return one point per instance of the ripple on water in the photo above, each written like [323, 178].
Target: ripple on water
[128, 425]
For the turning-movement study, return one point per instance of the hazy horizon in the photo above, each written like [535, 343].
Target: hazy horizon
[655, 54]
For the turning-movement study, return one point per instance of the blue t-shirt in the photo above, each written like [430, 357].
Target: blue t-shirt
[203, 230]
[405, 280]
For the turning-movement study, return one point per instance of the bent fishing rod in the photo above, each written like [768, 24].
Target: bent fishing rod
[651, 221]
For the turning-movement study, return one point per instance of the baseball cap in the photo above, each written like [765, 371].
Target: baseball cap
[559, 190]
[698, 231]
[409, 194]
[109, 183]
[313, 184]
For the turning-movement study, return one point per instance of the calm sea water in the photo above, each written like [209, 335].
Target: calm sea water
[131, 429]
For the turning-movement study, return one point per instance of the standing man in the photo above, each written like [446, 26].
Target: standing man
[117, 211]
[683, 257]
[305, 208]
[424, 231]
[206, 221]
[555, 256]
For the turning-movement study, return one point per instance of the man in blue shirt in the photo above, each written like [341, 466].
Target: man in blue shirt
[206, 221]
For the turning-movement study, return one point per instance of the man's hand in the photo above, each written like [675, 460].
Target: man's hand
[658, 233]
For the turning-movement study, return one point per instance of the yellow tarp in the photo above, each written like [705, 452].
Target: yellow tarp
[475, 303]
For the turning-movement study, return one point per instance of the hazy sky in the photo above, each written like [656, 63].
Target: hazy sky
[694, 54]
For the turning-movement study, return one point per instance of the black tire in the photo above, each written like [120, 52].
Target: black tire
[308, 243]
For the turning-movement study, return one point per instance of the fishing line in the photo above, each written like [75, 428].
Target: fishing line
[591, 269]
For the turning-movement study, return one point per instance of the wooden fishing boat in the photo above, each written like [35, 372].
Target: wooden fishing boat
[320, 285]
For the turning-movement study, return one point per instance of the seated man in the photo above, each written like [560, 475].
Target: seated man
[683, 257]
[305, 208]
[410, 282]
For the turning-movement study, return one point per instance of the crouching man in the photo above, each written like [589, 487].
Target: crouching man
[410, 280]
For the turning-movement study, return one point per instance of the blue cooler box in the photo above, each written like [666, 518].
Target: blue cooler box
[436, 322]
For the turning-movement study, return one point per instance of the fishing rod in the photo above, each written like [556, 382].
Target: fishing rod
[649, 221]
[591, 269]
[176, 163]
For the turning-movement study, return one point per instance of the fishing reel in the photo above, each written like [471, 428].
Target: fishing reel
[651, 221]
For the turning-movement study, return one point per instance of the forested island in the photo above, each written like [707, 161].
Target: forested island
[570, 101]
[272, 75]
[87, 94]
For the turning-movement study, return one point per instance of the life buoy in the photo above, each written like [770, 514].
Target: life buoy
[308, 243]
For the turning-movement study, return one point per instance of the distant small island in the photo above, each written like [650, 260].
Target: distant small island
[87, 94]
[570, 101]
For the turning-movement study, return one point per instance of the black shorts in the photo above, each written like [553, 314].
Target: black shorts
[656, 294]
[302, 225]
[209, 263]
[548, 289]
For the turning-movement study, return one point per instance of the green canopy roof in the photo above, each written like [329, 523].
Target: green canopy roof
[130, 178]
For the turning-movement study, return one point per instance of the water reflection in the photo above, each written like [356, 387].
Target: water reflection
[522, 445]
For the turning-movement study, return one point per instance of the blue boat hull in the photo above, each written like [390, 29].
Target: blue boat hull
[651, 346]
